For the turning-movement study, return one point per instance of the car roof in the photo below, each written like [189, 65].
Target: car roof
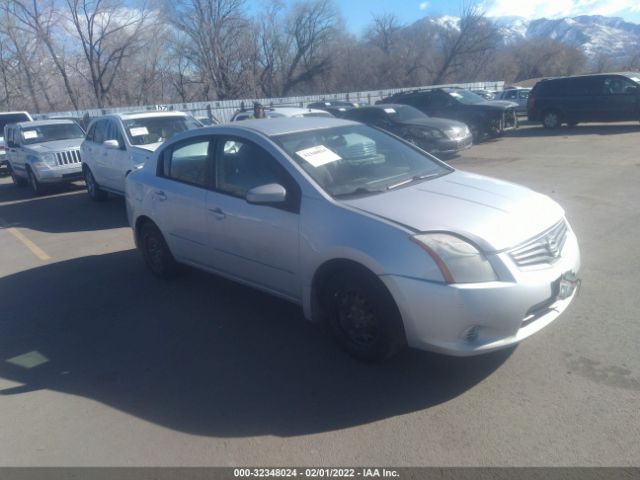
[135, 116]
[14, 113]
[41, 123]
[295, 110]
[284, 125]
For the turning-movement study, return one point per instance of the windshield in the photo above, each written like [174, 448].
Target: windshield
[144, 131]
[356, 159]
[50, 133]
[403, 113]
[465, 96]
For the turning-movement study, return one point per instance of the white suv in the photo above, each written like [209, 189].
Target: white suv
[7, 118]
[44, 152]
[119, 143]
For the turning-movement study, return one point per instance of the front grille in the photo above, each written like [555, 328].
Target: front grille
[509, 119]
[70, 157]
[543, 249]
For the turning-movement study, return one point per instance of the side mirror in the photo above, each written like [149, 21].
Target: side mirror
[264, 194]
[111, 144]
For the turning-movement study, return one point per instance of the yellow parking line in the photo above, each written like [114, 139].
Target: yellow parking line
[36, 250]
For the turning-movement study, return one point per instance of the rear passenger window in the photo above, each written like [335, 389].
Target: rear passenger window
[188, 163]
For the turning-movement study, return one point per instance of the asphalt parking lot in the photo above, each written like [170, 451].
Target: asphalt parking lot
[102, 364]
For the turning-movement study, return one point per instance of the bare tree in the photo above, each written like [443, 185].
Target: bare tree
[219, 43]
[475, 36]
[108, 34]
[41, 18]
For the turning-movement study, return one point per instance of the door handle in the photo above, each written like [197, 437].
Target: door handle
[160, 195]
[218, 213]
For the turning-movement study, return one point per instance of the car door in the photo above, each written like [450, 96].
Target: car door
[96, 156]
[117, 162]
[584, 100]
[254, 243]
[13, 151]
[179, 198]
[621, 99]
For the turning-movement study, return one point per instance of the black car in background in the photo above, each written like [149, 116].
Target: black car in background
[483, 117]
[439, 136]
[605, 97]
[334, 107]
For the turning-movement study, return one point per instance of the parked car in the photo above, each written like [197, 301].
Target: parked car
[279, 112]
[334, 107]
[44, 152]
[207, 121]
[486, 94]
[518, 95]
[439, 136]
[117, 144]
[385, 243]
[483, 117]
[607, 97]
[7, 118]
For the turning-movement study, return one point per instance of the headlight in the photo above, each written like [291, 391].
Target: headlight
[457, 259]
[426, 133]
[457, 132]
[49, 159]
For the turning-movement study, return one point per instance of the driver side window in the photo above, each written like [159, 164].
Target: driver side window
[242, 165]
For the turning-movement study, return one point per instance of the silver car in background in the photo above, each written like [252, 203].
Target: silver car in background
[366, 232]
[44, 152]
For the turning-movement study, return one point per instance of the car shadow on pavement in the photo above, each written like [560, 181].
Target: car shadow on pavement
[586, 129]
[63, 209]
[203, 355]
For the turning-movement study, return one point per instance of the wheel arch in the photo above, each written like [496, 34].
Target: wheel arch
[325, 271]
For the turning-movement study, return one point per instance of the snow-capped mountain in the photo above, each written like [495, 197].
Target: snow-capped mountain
[611, 36]
[595, 34]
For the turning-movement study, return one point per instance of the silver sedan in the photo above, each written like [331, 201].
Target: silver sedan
[383, 242]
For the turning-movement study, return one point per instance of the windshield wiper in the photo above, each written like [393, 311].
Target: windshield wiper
[359, 191]
[415, 178]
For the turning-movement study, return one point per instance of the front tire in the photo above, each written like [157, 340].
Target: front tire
[363, 316]
[36, 186]
[155, 252]
[93, 189]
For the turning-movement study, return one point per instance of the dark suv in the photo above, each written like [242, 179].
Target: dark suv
[484, 117]
[605, 97]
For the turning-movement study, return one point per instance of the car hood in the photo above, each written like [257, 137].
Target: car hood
[54, 146]
[494, 214]
[494, 105]
[433, 122]
[151, 147]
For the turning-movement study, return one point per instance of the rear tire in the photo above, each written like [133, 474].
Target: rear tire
[155, 252]
[362, 316]
[551, 120]
[93, 189]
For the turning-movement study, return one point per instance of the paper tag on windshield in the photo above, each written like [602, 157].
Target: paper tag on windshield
[390, 110]
[455, 94]
[138, 131]
[29, 134]
[318, 156]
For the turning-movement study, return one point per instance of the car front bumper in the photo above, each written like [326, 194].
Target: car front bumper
[475, 318]
[449, 146]
[69, 173]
